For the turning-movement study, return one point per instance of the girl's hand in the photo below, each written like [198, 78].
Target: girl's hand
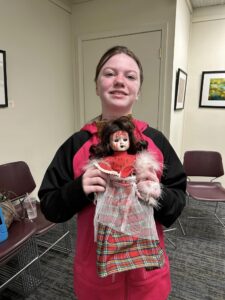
[93, 181]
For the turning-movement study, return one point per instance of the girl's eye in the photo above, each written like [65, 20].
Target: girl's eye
[116, 140]
[108, 73]
[125, 140]
[131, 77]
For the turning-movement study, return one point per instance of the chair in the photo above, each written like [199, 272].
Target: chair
[206, 164]
[26, 184]
[18, 254]
[17, 178]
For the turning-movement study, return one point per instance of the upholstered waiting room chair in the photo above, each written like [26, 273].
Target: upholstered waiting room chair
[19, 264]
[48, 234]
[208, 165]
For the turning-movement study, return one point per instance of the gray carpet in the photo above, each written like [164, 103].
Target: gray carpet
[197, 263]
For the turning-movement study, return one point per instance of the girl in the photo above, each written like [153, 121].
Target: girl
[67, 189]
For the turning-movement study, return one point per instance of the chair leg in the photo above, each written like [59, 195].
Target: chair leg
[219, 220]
[168, 239]
[181, 226]
[171, 242]
[67, 239]
[215, 214]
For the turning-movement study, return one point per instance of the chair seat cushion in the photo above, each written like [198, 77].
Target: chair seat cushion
[41, 223]
[19, 232]
[206, 191]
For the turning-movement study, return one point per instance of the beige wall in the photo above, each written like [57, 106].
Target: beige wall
[181, 46]
[204, 127]
[36, 35]
[99, 16]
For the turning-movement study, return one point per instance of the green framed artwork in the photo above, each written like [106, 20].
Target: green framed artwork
[212, 92]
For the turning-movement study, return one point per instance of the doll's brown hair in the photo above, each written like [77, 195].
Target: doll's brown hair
[104, 149]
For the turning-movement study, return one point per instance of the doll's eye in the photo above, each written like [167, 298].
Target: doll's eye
[116, 140]
[125, 140]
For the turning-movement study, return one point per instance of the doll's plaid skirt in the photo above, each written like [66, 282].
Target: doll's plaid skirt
[117, 252]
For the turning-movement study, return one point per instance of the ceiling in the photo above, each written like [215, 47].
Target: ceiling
[195, 3]
[201, 3]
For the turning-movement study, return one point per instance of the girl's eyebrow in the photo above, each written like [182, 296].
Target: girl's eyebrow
[115, 69]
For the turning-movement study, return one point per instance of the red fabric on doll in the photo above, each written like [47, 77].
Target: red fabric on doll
[121, 162]
[117, 252]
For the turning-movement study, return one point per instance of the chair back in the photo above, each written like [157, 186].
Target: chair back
[16, 177]
[203, 163]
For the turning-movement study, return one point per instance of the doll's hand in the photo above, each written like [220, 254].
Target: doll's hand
[93, 181]
[149, 188]
[146, 175]
[149, 191]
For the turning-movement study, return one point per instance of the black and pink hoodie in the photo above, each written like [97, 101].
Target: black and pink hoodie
[62, 197]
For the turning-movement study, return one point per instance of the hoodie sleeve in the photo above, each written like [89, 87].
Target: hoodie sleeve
[61, 196]
[173, 181]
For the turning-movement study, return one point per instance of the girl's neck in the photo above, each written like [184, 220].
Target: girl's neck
[105, 117]
[110, 117]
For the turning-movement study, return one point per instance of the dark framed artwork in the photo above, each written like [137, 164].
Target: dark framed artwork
[181, 82]
[3, 80]
[212, 92]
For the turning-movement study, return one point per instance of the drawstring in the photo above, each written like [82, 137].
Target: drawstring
[113, 277]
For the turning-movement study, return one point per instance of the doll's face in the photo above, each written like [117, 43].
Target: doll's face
[119, 141]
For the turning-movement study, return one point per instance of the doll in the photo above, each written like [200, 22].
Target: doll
[124, 223]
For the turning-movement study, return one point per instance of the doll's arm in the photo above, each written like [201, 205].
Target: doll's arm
[149, 191]
[148, 186]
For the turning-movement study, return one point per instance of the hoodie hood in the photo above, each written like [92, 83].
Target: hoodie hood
[140, 126]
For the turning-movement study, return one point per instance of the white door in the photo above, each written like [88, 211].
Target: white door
[146, 45]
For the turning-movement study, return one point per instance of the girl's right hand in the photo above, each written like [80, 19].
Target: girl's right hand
[93, 181]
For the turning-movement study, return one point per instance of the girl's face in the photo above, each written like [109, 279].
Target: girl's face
[118, 85]
[119, 141]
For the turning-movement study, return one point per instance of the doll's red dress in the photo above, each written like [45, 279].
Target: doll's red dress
[124, 226]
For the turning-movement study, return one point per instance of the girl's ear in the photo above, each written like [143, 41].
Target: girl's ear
[96, 90]
[138, 94]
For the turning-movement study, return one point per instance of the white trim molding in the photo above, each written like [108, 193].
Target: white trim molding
[62, 5]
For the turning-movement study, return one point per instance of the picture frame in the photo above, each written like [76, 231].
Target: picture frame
[212, 92]
[180, 91]
[3, 80]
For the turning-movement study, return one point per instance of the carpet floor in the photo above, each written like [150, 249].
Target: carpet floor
[197, 262]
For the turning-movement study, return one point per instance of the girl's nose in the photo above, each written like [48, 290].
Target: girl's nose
[119, 79]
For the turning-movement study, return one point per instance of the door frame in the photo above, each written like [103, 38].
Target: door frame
[164, 106]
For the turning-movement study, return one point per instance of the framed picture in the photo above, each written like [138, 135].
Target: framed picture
[181, 82]
[212, 93]
[3, 80]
